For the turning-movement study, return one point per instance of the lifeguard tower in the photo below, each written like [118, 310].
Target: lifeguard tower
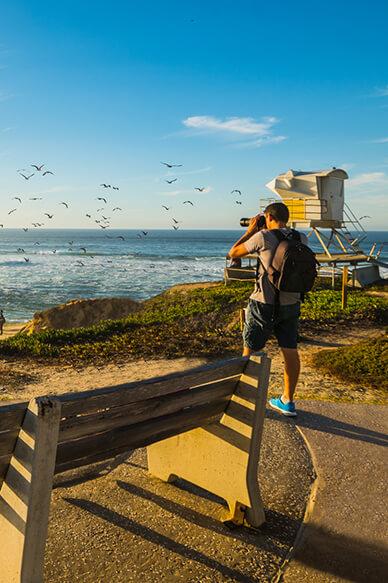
[316, 201]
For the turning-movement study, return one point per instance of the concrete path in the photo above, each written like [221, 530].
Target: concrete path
[346, 535]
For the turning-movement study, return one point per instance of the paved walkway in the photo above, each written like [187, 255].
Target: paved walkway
[345, 538]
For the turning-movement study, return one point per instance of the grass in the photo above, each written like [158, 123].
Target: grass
[196, 322]
[365, 363]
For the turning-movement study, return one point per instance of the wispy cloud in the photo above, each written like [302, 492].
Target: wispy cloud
[186, 191]
[381, 91]
[248, 131]
[380, 141]
[369, 183]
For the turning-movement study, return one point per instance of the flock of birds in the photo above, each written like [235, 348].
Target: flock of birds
[100, 216]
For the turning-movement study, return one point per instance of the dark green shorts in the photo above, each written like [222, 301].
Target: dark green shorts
[264, 319]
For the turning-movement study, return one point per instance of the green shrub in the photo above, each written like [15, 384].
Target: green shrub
[365, 363]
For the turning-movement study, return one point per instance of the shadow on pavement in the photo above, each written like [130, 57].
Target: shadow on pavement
[326, 424]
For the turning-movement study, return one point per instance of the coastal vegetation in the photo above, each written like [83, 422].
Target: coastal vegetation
[203, 321]
[365, 363]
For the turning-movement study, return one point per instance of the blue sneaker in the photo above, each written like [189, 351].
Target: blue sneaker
[287, 409]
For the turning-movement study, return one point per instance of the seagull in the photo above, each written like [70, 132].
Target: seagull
[12, 211]
[80, 263]
[236, 190]
[54, 251]
[99, 210]
[172, 165]
[238, 202]
[102, 198]
[38, 168]
[120, 237]
[26, 259]
[48, 215]
[36, 243]
[82, 249]
[103, 226]
[64, 204]
[175, 227]
[20, 250]
[70, 243]
[167, 208]
[188, 202]
[17, 198]
[105, 185]
[175, 221]
[36, 198]
[27, 177]
[105, 218]
[115, 188]
[364, 217]
[199, 189]
[171, 181]
[117, 208]
[47, 172]
[2, 226]
[25, 229]
[145, 233]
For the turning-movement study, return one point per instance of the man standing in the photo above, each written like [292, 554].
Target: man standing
[269, 310]
[2, 322]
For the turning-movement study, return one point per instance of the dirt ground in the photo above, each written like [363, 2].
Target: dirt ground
[24, 380]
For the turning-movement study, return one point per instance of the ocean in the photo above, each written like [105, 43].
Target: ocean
[65, 264]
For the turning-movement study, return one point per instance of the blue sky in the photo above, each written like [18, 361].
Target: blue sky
[235, 92]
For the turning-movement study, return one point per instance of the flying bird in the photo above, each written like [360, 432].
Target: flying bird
[47, 172]
[236, 190]
[199, 189]
[36, 243]
[20, 250]
[17, 198]
[105, 185]
[70, 243]
[167, 208]
[238, 202]
[48, 215]
[82, 249]
[2, 226]
[175, 227]
[103, 226]
[364, 217]
[145, 233]
[27, 177]
[25, 229]
[38, 168]
[188, 202]
[175, 221]
[115, 187]
[171, 181]
[80, 263]
[172, 165]
[64, 204]
[102, 198]
[120, 237]
[26, 259]
[117, 208]
[12, 211]
[36, 198]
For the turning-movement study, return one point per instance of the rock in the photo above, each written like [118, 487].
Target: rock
[81, 313]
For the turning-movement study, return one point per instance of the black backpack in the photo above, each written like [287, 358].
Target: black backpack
[294, 266]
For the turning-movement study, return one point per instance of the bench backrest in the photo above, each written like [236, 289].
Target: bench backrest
[100, 424]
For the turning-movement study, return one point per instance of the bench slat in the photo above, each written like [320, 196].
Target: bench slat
[89, 401]
[139, 435]
[12, 415]
[8, 440]
[75, 427]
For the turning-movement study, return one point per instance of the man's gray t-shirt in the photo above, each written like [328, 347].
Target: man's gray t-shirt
[264, 243]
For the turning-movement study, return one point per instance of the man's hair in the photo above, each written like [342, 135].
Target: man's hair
[278, 211]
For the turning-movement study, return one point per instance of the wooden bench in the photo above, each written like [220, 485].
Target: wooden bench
[203, 425]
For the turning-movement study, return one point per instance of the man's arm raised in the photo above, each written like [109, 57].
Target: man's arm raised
[239, 249]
